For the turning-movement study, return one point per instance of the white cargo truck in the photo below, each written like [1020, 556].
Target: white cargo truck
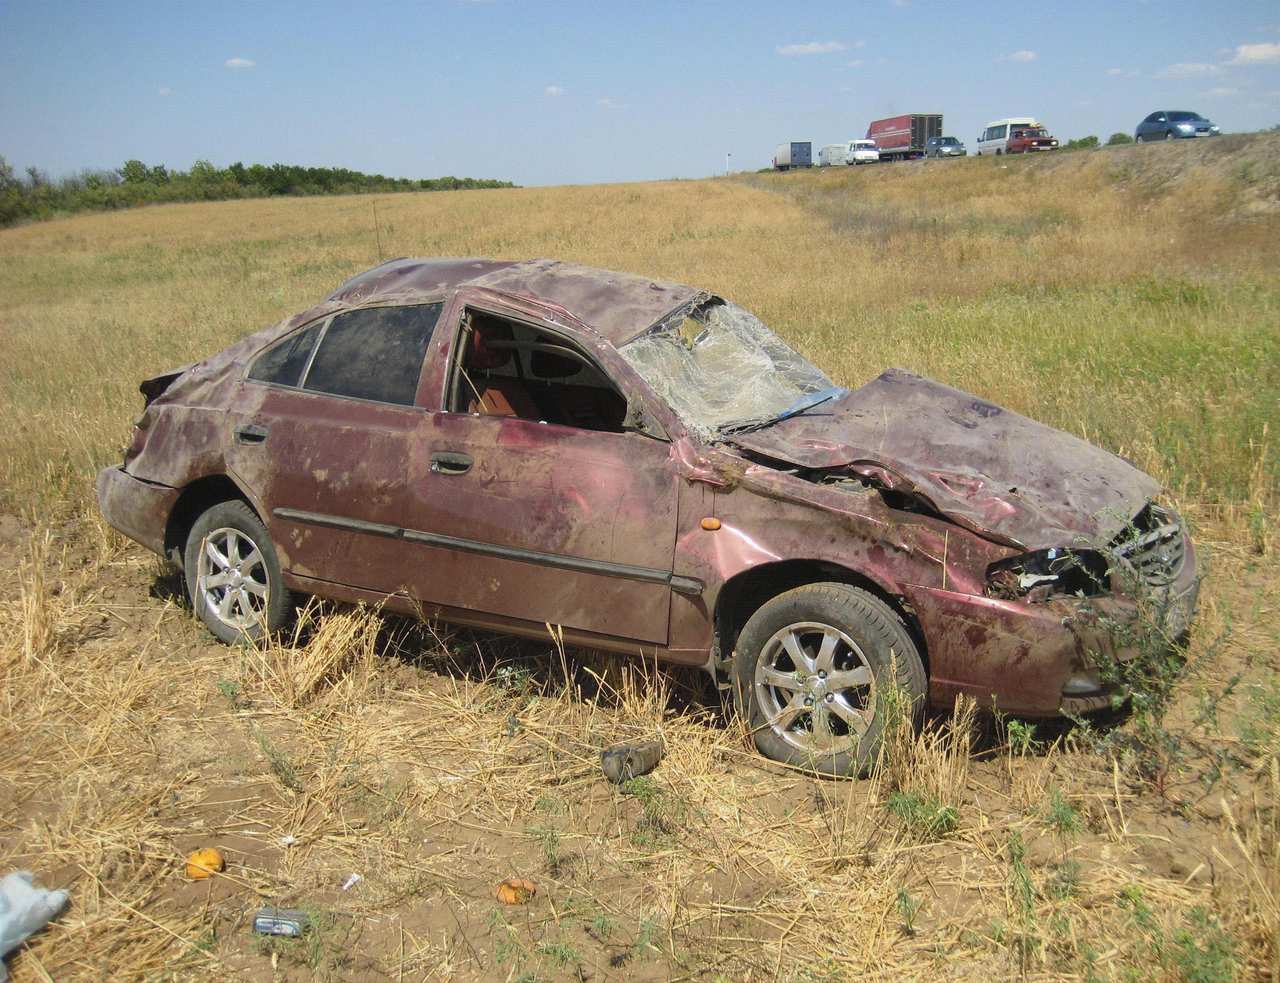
[833, 155]
[794, 154]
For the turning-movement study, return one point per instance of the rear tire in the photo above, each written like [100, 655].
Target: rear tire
[1138, 139]
[814, 669]
[233, 575]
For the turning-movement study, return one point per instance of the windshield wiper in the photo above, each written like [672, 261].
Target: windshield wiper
[751, 425]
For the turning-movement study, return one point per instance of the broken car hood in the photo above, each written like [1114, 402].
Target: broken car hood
[992, 471]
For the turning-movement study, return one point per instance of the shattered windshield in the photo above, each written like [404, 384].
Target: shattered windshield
[719, 368]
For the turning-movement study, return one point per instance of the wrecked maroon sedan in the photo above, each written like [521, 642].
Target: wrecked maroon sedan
[511, 445]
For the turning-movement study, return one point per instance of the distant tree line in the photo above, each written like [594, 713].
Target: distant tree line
[1088, 143]
[34, 195]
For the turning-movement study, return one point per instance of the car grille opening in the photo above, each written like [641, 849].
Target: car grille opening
[1153, 545]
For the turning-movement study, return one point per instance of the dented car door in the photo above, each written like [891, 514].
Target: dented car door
[543, 522]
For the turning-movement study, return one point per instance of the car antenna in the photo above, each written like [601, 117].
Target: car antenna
[376, 230]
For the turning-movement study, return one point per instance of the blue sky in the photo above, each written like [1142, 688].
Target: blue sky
[567, 92]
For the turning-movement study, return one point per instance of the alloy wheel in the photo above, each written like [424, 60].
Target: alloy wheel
[232, 579]
[816, 688]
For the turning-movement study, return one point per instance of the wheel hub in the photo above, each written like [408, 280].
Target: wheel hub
[815, 687]
[232, 578]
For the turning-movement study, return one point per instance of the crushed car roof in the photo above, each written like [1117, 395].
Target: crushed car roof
[619, 306]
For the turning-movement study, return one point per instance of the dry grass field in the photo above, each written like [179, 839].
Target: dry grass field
[1130, 295]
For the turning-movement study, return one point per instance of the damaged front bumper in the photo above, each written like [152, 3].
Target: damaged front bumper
[139, 509]
[1043, 659]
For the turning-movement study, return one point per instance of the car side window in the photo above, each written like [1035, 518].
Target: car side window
[283, 362]
[375, 353]
[509, 369]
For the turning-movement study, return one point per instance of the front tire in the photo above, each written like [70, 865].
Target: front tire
[1168, 134]
[233, 575]
[814, 673]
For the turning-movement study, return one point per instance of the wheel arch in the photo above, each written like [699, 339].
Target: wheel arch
[743, 594]
[196, 498]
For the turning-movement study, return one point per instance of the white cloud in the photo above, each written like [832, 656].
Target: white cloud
[1127, 73]
[812, 48]
[238, 62]
[604, 102]
[1263, 53]
[856, 63]
[859, 44]
[1024, 56]
[554, 90]
[1188, 70]
[1221, 92]
[165, 90]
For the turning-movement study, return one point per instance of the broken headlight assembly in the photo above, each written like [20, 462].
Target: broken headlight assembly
[1049, 573]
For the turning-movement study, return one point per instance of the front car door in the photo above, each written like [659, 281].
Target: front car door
[542, 504]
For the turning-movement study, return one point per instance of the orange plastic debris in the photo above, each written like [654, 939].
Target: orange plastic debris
[515, 890]
[205, 863]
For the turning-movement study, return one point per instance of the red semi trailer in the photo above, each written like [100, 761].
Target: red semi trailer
[904, 137]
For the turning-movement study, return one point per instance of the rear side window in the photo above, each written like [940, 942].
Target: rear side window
[284, 361]
[374, 353]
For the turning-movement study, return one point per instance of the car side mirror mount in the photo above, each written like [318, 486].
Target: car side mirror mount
[638, 421]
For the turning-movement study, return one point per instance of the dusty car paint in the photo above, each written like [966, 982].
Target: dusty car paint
[906, 487]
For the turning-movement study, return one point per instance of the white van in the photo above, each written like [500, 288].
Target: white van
[863, 152]
[995, 138]
[852, 152]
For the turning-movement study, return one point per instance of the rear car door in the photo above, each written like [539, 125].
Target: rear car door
[326, 438]
[540, 505]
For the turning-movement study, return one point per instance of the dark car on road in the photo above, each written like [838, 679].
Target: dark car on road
[944, 147]
[646, 465]
[1174, 124]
